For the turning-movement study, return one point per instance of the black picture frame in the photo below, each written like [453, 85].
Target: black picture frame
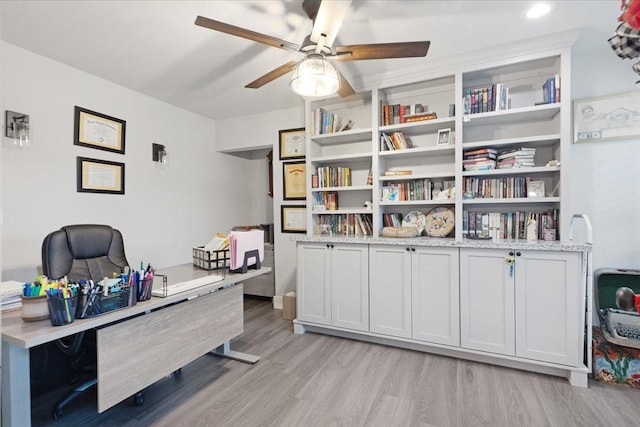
[292, 144]
[293, 218]
[99, 176]
[294, 181]
[96, 130]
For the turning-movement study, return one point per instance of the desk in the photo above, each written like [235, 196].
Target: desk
[181, 327]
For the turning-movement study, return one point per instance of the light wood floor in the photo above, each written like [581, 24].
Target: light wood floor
[317, 380]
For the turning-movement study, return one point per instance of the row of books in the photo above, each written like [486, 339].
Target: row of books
[502, 188]
[394, 141]
[393, 114]
[416, 189]
[327, 122]
[484, 99]
[345, 225]
[489, 158]
[326, 201]
[327, 176]
[551, 90]
[392, 219]
[509, 225]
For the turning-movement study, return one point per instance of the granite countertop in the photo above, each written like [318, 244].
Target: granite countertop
[536, 245]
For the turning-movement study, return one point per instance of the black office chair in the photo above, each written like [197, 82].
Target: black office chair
[85, 251]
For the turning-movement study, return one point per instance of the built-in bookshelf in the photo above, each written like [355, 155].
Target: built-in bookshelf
[516, 110]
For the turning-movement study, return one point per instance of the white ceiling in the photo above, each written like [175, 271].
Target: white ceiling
[153, 47]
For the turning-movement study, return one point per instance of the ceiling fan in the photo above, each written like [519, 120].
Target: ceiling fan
[315, 74]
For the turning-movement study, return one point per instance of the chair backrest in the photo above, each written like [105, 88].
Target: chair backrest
[84, 251]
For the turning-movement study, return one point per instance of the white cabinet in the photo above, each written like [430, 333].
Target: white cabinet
[414, 293]
[528, 304]
[333, 284]
[435, 295]
[390, 288]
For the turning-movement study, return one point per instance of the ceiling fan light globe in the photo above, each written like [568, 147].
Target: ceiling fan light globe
[315, 76]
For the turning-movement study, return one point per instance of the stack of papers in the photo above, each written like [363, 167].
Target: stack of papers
[218, 243]
[241, 242]
[10, 292]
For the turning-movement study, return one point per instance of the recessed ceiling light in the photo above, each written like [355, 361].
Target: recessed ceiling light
[538, 10]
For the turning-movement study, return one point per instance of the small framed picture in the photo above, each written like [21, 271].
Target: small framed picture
[96, 130]
[292, 144]
[444, 136]
[294, 181]
[293, 219]
[99, 176]
[535, 189]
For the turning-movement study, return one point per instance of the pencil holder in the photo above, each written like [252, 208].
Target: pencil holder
[61, 310]
[34, 308]
[144, 289]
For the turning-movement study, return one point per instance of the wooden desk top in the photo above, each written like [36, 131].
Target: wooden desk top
[31, 334]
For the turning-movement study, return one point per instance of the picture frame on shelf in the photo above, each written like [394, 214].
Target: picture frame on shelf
[535, 189]
[607, 118]
[444, 136]
[99, 131]
[294, 181]
[99, 176]
[292, 144]
[293, 219]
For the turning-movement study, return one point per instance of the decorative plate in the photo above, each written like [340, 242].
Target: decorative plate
[439, 222]
[415, 219]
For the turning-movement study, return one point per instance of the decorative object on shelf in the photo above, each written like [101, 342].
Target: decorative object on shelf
[293, 219]
[292, 144]
[159, 155]
[444, 136]
[17, 129]
[532, 229]
[415, 219]
[535, 188]
[95, 130]
[99, 176]
[440, 222]
[294, 181]
[607, 118]
[400, 232]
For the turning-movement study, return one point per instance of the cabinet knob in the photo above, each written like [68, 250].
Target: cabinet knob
[511, 253]
[408, 249]
[413, 249]
[518, 254]
[328, 245]
[332, 246]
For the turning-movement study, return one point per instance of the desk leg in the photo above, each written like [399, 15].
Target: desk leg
[16, 386]
[225, 351]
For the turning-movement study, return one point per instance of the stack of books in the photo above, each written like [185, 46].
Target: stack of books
[481, 159]
[394, 141]
[516, 157]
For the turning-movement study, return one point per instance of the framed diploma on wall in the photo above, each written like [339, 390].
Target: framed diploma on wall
[292, 144]
[99, 176]
[96, 130]
[293, 219]
[294, 181]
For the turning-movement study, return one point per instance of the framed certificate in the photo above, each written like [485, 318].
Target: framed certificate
[99, 176]
[99, 131]
[294, 181]
[293, 219]
[292, 144]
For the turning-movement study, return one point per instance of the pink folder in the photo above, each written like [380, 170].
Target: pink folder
[241, 242]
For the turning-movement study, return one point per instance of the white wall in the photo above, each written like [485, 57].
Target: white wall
[163, 213]
[605, 181]
[262, 131]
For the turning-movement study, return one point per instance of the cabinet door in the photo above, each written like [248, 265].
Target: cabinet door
[435, 295]
[486, 301]
[550, 298]
[390, 288]
[313, 283]
[350, 286]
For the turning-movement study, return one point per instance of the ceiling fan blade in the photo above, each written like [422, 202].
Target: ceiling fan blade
[246, 34]
[272, 75]
[328, 20]
[358, 52]
[345, 87]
